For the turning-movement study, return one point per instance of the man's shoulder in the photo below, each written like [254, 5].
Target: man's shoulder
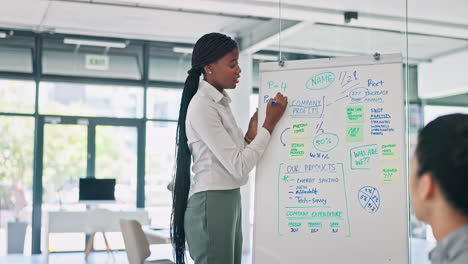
[457, 246]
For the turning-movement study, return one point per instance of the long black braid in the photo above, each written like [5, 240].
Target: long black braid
[208, 49]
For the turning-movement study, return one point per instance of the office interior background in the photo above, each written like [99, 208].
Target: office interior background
[92, 89]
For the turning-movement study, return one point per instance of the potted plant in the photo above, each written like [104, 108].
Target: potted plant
[16, 230]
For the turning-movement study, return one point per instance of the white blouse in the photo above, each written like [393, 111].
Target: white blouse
[221, 158]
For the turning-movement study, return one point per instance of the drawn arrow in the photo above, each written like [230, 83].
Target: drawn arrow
[281, 137]
[341, 98]
[338, 100]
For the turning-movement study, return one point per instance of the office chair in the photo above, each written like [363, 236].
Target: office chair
[136, 243]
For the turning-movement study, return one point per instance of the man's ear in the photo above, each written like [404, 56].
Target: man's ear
[427, 186]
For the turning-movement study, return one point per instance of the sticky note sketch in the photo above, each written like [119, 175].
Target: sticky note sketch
[297, 151]
[390, 175]
[300, 130]
[355, 114]
[389, 151]
[354, 133]
[362, 157]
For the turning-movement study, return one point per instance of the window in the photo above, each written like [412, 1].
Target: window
[116, 157]
[16, 54]
[160, 157]
[90, 100]
[17, 96]
[92, 61]
[16, 174]
[165, 65]
[15, 59]
[163, 103]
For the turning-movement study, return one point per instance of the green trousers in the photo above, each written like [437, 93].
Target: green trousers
[213, 227]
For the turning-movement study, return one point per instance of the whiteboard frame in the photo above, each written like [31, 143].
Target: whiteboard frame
[331, 62]
[344, 62]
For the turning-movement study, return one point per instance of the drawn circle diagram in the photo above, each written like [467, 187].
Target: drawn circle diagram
[358, 93]
[369, 198]
[325, 142]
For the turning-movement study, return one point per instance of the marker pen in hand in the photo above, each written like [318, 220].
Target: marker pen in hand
[273, 102]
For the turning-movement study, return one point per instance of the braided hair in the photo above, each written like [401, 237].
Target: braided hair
[208, 49]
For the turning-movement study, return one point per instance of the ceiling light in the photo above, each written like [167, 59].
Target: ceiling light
[183, 50]
[265, 57]
[98, 43]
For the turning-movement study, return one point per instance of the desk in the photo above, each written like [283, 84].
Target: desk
[76, 221]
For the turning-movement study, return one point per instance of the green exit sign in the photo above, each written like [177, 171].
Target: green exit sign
[97, 62]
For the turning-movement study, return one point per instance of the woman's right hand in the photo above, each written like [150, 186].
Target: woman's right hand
[274, 112]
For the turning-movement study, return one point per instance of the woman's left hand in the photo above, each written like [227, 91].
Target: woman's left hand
[252, 131]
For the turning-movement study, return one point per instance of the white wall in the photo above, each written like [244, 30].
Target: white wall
[444, 76]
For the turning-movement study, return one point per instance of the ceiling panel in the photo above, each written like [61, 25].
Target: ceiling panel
[22, 13]
[119, 21]
[359, 41]
[138, 21]
[153, 21]
[450, 11]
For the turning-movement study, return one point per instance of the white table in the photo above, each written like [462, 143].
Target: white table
[76, 221]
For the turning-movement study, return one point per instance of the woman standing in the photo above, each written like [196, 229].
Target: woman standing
[207, 205]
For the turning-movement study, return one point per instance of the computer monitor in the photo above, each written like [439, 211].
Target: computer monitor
[92, 189]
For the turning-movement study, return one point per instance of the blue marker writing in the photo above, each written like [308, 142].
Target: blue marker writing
[273, 102]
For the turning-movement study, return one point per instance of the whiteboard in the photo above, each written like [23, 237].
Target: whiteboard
[331, 186]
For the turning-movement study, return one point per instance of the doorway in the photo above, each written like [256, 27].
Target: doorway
[79, 147]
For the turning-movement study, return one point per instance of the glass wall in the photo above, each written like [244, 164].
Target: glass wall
[441, 67]
[16, 53]
[17, 96]
[69, 56]
[16, 175]
[116, 157]
[167, 64]
[160, 157]
[65, 160]
[76, 99]
[163, 103]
